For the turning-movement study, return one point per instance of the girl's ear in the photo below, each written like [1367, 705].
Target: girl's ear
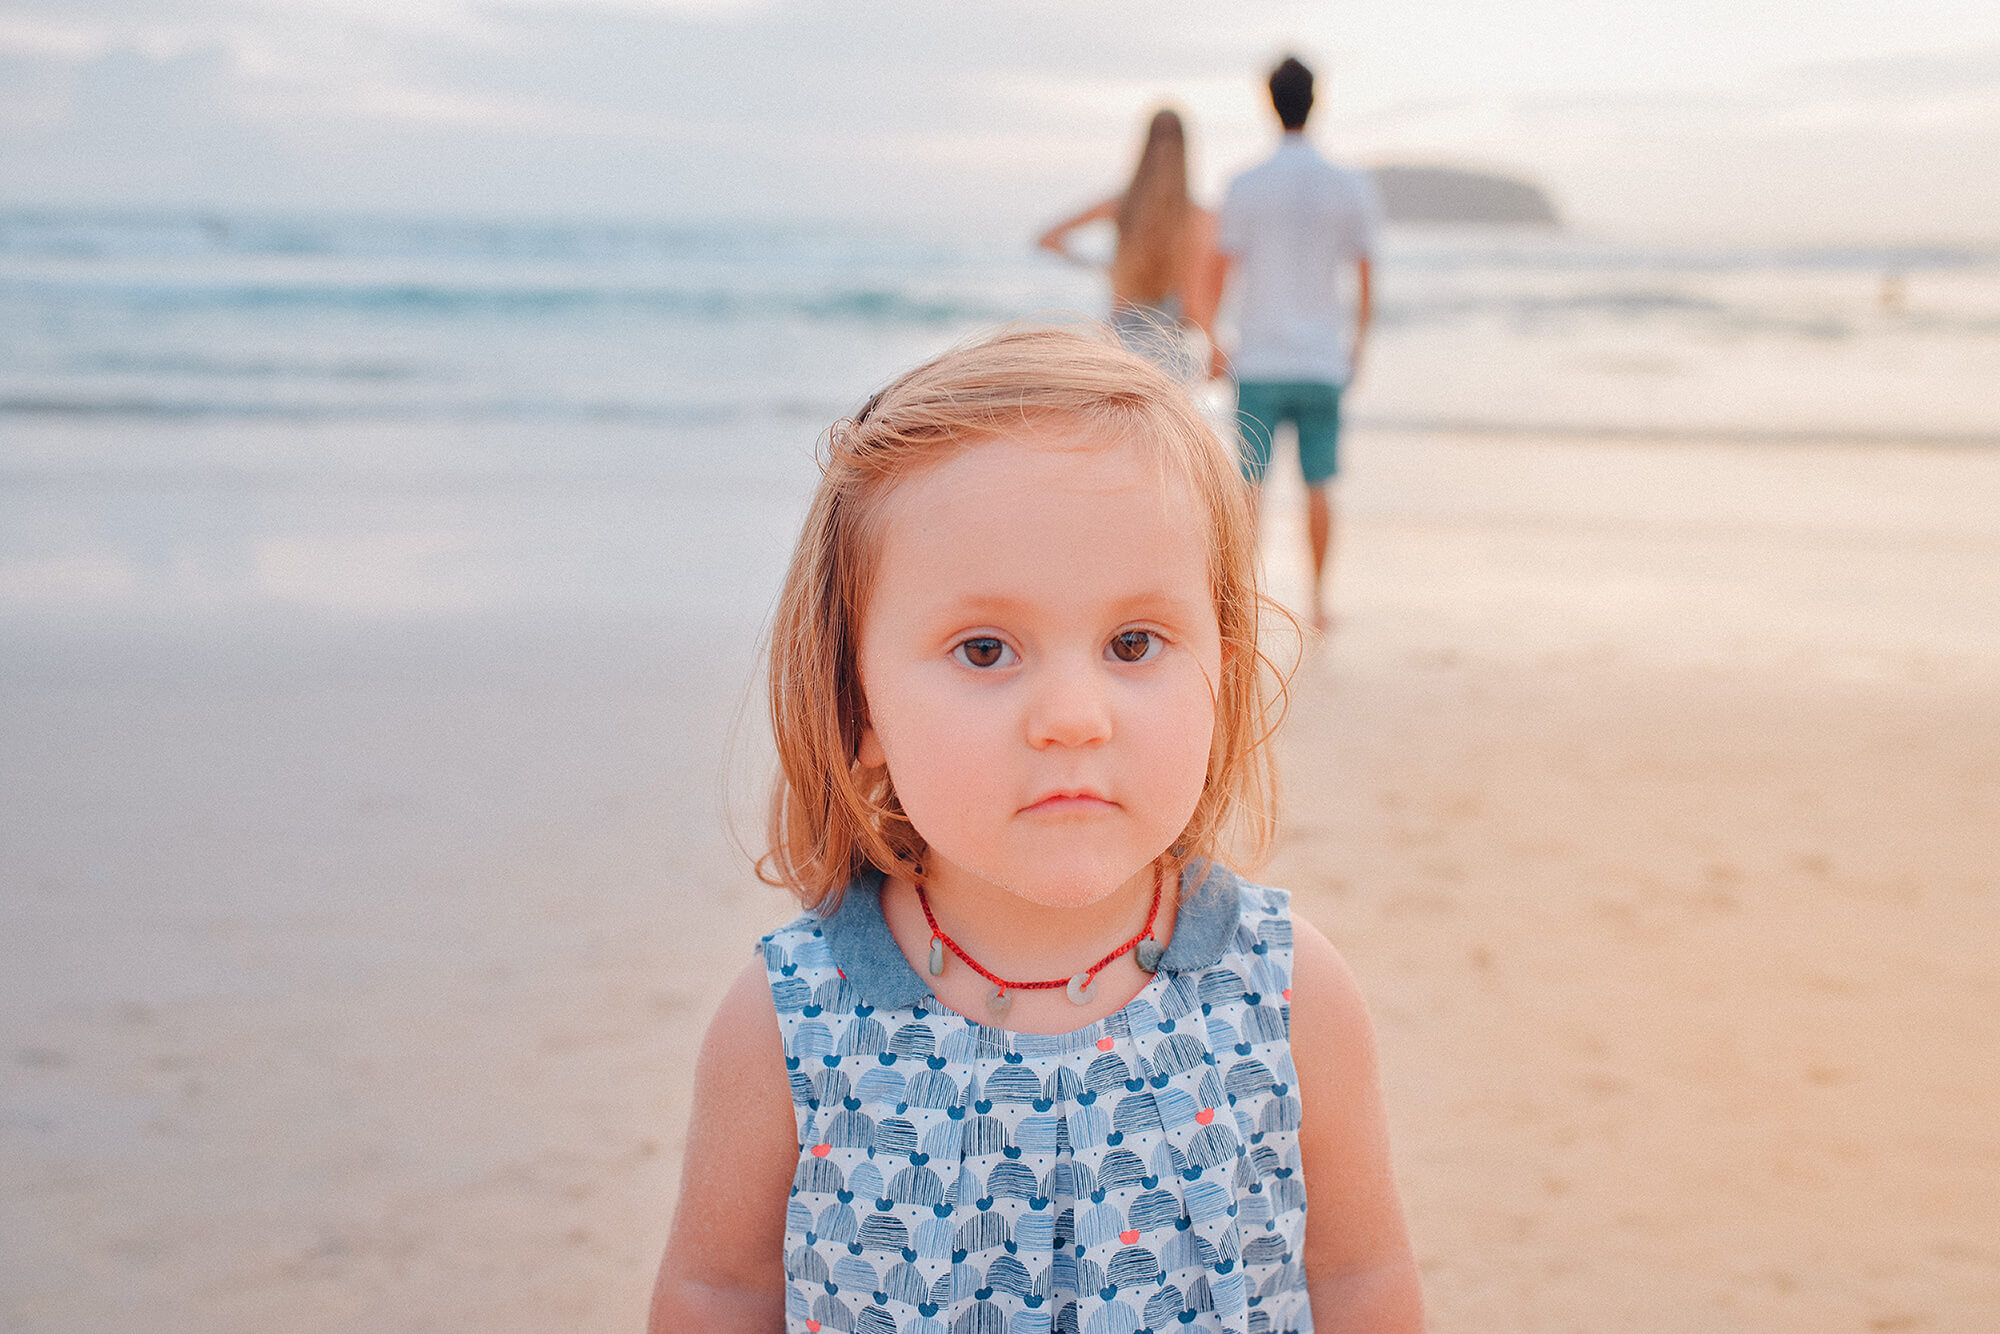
[869, 752]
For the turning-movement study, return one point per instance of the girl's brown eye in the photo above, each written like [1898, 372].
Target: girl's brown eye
[1132, 645]
[984, 652]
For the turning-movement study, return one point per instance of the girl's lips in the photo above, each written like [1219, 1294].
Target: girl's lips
[1065, 803]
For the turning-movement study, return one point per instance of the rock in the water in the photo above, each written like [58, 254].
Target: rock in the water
[1451, 195]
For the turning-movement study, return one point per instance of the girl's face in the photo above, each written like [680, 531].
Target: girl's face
[1040, 657]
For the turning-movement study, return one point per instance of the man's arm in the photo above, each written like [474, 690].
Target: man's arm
[1364, 311]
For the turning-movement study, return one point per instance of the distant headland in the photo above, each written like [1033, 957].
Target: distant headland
[1425, 194]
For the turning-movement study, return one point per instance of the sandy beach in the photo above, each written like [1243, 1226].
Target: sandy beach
[353, 965]
[1658, 816]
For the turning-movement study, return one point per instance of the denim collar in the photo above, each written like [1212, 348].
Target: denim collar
[874, 963]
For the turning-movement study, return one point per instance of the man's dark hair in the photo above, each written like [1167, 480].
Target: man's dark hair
[1292, 93]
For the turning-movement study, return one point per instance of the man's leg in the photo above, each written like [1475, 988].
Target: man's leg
[1319, 527]
[1254, 420]
[1318, 416]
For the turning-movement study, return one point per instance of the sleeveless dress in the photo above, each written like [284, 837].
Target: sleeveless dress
[1140, 1173]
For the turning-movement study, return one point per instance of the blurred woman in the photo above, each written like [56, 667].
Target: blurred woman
[1162, 280]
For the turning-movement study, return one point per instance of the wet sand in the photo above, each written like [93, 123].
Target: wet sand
[354, 965]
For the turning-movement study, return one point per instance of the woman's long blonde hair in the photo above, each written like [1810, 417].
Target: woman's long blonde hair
[830, 817]
[1153, 216]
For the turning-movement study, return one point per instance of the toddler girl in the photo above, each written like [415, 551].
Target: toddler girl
[1033, 1059]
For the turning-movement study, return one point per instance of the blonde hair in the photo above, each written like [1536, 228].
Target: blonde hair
[1153, 215]
[830, 817]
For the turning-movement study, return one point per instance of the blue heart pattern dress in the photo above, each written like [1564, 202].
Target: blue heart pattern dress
[1140, 1173]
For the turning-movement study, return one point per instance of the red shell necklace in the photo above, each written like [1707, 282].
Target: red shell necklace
[1081, 987]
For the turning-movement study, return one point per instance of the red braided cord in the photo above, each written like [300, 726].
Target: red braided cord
[1002, 983]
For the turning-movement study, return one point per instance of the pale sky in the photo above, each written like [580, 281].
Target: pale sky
[1782, 120]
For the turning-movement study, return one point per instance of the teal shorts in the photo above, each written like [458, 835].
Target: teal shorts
[1311, 405]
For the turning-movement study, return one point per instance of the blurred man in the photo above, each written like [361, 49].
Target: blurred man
[1291, 228]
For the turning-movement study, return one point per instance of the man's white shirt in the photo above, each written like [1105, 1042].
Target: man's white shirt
[1293, 227]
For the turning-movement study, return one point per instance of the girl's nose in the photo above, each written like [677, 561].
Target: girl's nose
[1070, 707]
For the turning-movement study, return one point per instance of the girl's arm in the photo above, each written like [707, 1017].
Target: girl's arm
[724, 1267]
[1056, 238]
[1359, 1269]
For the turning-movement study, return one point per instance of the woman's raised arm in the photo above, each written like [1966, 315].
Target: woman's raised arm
[1056, 238]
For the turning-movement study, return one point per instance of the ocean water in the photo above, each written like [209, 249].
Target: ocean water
[316, 319]
[351, 319]
[1573, 337]
[394, 417]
